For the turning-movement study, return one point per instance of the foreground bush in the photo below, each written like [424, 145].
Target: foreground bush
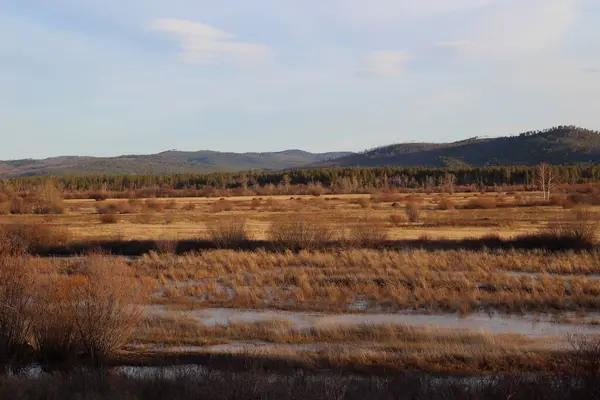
[103, 302]
[53, 322]
[15, 298]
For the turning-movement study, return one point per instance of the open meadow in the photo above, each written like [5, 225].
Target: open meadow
[453, 285]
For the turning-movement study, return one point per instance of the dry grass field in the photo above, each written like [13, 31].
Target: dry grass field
[374, 299]
[457, 216]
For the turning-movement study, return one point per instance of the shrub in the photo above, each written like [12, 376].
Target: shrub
[364, 203]
[481, 203]
[580, 226]
[54, 324]
[169, 217]
[15, 299]
[413, 211]
[171, 205]
[120, 207]
[30, 238]
[153, 205]
[104, 303]
[254, 203]
[108, 218]
[300, 232]
[166, 246]
[228, 233]
[368, 232]
[397, 219]
[586, 357]
[446, 204]
[189, 207]
[221, 205]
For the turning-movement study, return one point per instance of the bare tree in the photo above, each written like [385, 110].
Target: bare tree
[545, 180]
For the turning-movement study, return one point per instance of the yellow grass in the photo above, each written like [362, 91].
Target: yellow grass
[173, 218]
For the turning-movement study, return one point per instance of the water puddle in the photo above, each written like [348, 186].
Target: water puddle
[532, 326]
[535, 275]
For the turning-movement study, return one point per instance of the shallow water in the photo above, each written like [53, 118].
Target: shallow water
[540, 326]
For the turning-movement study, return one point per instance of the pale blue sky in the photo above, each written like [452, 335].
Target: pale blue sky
[111, 77]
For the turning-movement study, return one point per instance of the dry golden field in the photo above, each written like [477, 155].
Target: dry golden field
[457, 216]
[363, 303]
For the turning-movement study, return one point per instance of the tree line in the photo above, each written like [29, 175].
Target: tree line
[342, 180]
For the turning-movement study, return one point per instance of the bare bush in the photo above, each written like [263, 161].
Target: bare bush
[413, 211]
[228, 233]
[166, 246]
[397, 219]
[15, 299]
[110, 218]
[30, 238]
[189, 207]
[153, 205]
[53, 322]
[368, 232]
[221, 205]
[300, 232]
[104, 301]
[446, 204]
[579, 225]
[481, 203]
[586, 349]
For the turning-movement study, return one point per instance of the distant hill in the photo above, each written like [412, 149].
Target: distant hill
[558, 145]
[168, 162]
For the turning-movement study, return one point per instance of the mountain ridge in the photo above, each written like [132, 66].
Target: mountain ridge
[565, 144]
[166, 162]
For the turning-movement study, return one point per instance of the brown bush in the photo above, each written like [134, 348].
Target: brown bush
[220, 206]
[228, 233]
[368, 232]
[300, 232]
[171, 205]
[166, 246]
[169, 217]
[5, 207]
[153, 205]
[397, 219]
[413, 211]
[110, 218]
[255, 203]
[580, 225]
[120, 207]
[53, 322]
[481, 203]
[104, 302]
[189, 207]
[446, 204]
[30, 238]
[364, 203]
[15, 298]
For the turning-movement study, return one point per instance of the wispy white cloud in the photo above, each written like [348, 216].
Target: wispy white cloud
[204, 44]
[390, 10]
[387, 63]
[515, 28]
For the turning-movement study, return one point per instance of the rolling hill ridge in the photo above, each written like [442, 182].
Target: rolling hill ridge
[558, 145]
[168, 162]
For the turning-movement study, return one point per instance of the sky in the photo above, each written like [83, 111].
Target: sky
[112, 77]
